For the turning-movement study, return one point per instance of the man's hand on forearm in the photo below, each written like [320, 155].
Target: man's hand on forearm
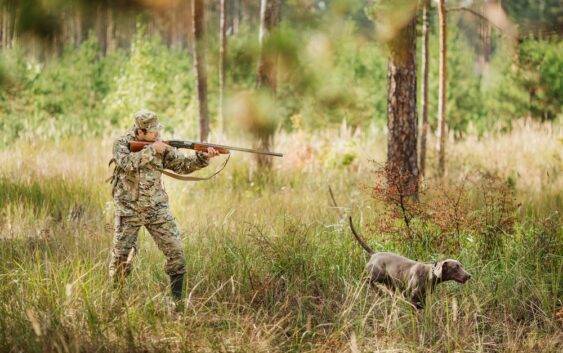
[160, 147]
[210, 153]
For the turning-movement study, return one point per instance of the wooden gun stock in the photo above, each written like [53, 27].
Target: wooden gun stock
[136, 146]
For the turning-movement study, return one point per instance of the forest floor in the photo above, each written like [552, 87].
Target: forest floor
[272, 266]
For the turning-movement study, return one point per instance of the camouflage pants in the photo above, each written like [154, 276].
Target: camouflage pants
[163, 230]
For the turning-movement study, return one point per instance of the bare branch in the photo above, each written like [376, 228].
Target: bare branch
[481, 16]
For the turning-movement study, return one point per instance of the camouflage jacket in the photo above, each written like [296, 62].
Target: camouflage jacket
[136, 185]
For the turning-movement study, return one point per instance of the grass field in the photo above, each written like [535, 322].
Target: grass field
[272, 267]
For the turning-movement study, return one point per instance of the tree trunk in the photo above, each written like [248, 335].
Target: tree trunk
[266, 75]
[402, 166]
[484, 29]
[235, 16]
[198, 22]
[100, 27]
[175, 27]
[110, 31]
[269, 18]
[244, 12]
[6, 27]
[425, 57]
[77, 19]
[442, 77]
[222, 53]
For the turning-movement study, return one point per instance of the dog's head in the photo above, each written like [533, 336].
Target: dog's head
[450, 270]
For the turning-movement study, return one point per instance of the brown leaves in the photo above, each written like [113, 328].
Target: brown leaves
[479, 204]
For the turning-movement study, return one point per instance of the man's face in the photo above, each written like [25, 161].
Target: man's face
[150, 136]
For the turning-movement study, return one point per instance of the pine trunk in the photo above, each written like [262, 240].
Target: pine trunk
[6, 28]
[235, 16]
[402, 166]
[77, 27]
[198, 22]
[425, 57]
[442, 77]
[110, 31]
[222, 53]
[269, 18]
[266, 75]
[101, 28]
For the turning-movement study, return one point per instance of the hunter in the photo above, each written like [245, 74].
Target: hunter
[140, 199]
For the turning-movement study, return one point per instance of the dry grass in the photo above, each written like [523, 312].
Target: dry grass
[271, 266]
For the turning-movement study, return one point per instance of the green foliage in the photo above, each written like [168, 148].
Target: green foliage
[536, 17]
[531, 85]
[65, 94]
[153, 77]
[270, 266]
[464, 97]
[338, 77]
[58, 98]
[329, 71]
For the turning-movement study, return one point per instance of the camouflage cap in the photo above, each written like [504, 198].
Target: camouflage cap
[145, 119]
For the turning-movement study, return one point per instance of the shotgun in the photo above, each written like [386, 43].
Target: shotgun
[136, 146]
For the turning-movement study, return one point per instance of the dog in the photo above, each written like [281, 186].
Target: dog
[414, 278]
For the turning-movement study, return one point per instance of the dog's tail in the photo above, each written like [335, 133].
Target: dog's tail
[359, 238]
[356, 235]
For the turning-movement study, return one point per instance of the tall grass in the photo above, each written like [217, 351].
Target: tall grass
[271, 266]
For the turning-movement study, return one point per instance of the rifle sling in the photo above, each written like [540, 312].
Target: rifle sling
[194, 178]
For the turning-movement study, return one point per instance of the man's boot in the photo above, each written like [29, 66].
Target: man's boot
[176, 286]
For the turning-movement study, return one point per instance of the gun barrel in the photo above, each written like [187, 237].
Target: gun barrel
[248, 150]
[198, 145]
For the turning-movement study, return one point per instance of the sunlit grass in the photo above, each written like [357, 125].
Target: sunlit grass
[271, 267]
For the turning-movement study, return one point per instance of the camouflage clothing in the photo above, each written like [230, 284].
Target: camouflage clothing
[140, 200]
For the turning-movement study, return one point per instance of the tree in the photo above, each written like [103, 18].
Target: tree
[7, 25]
[269, 18]
[222, 53]
[198, 21]
[485, 47]
[266, 76]
[538, 18]
[442, 77]
[402, 166]
[111, 44]
[425, 57]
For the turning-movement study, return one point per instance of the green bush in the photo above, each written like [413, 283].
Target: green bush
[154, 77]
[328, 72]
[529, 85]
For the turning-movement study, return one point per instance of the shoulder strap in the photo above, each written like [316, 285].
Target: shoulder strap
[110, 179]
[193, 178]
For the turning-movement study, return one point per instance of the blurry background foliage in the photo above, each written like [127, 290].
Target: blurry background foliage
[331, 67]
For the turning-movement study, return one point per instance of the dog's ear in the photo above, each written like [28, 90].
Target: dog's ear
[439, 268]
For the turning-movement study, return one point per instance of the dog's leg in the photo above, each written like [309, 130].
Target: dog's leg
[417, 298]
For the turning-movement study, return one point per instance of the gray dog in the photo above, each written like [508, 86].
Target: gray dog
[414, 278]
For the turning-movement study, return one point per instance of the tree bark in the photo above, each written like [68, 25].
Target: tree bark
[269, 18]
[222, 53]
[402, 166]
[425, 57]
[198, 22]
[442, 77]
[110, 31]
[77, 19]
[100, 27]
[7, 27]
[266, 75]
[235, 16]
